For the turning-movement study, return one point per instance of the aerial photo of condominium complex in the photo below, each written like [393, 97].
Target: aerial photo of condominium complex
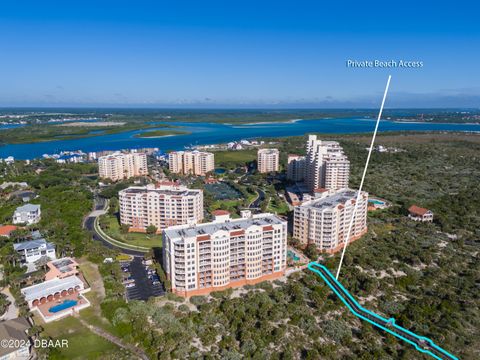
[239, 180]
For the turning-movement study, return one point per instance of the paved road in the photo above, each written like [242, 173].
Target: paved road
[89, 225]
[143, 289]
[422, 344]
[258, 201]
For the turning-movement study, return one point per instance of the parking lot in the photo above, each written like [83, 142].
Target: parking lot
[140, 280]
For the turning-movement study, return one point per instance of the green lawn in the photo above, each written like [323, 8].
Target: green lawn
[277, 206]
[138, 239]
[230, 205]
[82, 343]
[232, 159]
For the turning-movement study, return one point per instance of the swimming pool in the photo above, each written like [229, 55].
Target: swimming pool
[64, 305]
[376, 202]
[292, 255]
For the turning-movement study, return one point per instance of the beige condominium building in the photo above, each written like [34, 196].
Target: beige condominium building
[225, 253]
[325, 221]
[296, 167]
[119, 166]
[191, 162]
[160, 205]
[268, 160]
[326, 165]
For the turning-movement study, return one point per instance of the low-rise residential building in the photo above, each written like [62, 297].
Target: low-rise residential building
[268, 160]
[225, 253]
[60, 294]
[6, 230]
[417, 213]
[62, 268]
[119, 166]
[296, 167]
[191, 162]
[33, 250]
[161, 206]
[325, 221]
[14, 332]
[27, 214]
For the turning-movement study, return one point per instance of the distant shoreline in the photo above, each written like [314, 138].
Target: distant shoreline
[153, 134]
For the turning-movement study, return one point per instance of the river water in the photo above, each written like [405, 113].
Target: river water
[213, 133]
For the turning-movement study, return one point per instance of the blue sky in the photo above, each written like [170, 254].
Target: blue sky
[236, 53]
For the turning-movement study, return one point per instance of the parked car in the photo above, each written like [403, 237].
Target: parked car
[130, 285]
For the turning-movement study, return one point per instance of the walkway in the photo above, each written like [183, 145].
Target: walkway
[115, 340]
[422, 344]
[12, 311]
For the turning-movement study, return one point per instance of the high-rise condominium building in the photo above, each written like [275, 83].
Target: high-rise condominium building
[325, 221]
[161, 206]
[268, 160]
[296, 167]
[225, 253]
[118, 166]
[191, 162]
[326, 165]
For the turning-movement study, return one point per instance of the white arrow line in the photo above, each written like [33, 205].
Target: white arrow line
[363, 177]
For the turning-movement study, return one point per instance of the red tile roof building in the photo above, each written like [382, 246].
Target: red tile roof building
[420, 214]
[7, 229]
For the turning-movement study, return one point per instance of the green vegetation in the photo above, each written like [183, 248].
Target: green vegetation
[82, 343]
[111, 226]
[48, 132]
[65, 198]
[4, 303]
[160, 133]
[420, 274]
[234, 159]
[425, 275]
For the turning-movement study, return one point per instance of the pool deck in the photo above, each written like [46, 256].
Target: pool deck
[47, 316]
[302, 259]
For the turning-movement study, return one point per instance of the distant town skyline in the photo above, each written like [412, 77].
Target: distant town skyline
[246, 55]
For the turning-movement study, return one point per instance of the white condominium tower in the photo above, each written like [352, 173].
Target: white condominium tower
[268, 160]
[326, 165]
[224, 253]
[191, 162]
[296, 167]
[118, 166]
[161, 206]
[325, 221]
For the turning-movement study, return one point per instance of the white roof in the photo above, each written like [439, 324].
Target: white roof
[28, 208]
[50, 287]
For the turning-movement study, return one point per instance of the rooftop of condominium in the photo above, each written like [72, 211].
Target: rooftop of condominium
[161, 189]
[268, 151]
[191, 152]
[332, 199]
[185, 231]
